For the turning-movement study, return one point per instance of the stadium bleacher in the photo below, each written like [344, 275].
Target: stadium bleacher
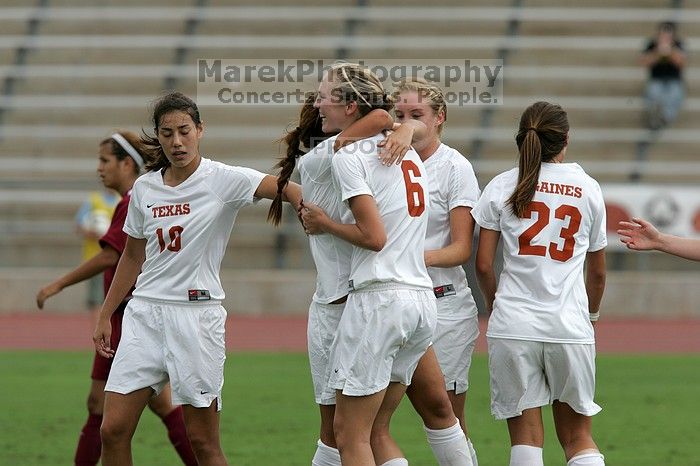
[74, 70]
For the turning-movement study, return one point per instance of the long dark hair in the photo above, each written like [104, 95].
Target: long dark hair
[120, 153]
[172, 102]
[541, 136]
[304, 137]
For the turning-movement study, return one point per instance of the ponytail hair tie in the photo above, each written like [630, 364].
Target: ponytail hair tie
[532, 128]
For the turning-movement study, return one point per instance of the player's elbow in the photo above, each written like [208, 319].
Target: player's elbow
[377, 242]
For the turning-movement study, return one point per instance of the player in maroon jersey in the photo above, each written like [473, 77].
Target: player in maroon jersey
[120, 163]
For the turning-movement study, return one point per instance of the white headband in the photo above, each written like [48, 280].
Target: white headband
[121, 140]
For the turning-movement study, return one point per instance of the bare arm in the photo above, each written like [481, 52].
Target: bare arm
[127, 271]
[374, 122]
[367, 232]
[640, 235]
[485, 273]
[267, 189]
[461, 235]
[595, 279]
[106, 258]
[396, 144]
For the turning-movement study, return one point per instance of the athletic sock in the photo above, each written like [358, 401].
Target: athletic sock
[525, 455]
[177, 433]
[472, 453]
[90, 442]
[449, 446]
[587, 459]
[325, 455]
[396, 462]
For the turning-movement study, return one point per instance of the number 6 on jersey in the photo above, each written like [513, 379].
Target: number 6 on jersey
[415, 197]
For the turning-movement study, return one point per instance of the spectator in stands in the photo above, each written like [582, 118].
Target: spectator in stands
[92, 221]
[120, 163]
[665, 58]
[179, 220]
[640, 235]
[541, 342]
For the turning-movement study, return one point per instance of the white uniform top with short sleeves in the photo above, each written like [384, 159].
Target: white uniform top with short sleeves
[331, 254]
[452, 184]
[187, 228]
[402, 195]
[541, 293]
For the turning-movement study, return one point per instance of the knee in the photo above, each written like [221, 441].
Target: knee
[114, 432]
[345, 434]
[95, 404]
[379, 435]
[437, 410]
[203, 445]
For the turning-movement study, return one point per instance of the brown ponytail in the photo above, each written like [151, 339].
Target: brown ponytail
[541, 137]
[307, 134]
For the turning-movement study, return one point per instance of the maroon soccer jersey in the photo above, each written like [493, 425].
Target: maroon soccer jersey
[116, 238]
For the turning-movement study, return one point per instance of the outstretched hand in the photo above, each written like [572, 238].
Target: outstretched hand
[45, 293]
[639, 234]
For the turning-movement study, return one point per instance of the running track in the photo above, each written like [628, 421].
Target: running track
[37, 330]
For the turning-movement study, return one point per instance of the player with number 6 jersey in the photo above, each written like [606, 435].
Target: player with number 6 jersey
[389, 316]
[551, 217]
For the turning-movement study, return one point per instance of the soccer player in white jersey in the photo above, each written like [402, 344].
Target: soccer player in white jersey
[551, 218]
[454, 190]
[390, 313]
[179, 221]
[331, 254]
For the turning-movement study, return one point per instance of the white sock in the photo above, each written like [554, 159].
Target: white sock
[449, 446]
[325, 455]
[587, 459]
[525, 455]
[396, 462]
[472, 453]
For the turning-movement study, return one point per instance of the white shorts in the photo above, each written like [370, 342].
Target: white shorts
[455, 339]
[180, 343]
[530, 374]
[321, 329]
[384, 331]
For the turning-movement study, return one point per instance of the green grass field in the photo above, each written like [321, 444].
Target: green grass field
[650, 413]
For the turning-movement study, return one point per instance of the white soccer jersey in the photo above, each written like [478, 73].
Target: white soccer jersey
[541, 292]
[452, 184]
[402, 195]
[187, 228]
[331, 254]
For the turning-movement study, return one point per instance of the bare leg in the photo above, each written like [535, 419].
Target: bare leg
[327, 436]
[527, 429]
[384, 446]
[573, 430]
[203, 431]
[354, 416]
[427, 393]
[121, 416]
[457, 402]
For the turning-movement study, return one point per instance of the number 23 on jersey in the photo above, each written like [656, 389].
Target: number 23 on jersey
[567, 233]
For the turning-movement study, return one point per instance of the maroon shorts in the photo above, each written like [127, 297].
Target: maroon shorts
[100, 365]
